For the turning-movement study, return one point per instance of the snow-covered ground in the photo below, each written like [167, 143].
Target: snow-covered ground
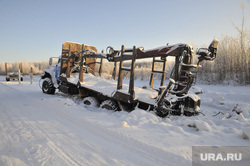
[41, 129]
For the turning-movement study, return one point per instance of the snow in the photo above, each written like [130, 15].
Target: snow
[108, 87]
[246, 133]
[41, 129]
[173, 47]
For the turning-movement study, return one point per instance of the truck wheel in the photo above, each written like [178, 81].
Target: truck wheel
[7, 79]
[91, 101]
[110, 105]
[48, 86]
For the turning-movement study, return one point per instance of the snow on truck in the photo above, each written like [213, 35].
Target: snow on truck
[75, 73]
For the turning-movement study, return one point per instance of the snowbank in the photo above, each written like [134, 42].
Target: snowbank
[40, 129]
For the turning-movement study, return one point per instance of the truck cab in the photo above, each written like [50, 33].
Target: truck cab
[61, 68]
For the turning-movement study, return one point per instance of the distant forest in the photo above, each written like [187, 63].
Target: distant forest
[232, 65]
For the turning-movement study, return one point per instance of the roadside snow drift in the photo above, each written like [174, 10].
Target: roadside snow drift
[40, 129]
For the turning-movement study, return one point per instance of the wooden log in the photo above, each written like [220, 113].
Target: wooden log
[21, 67]
[132, 75]
[68, 63]
[114, 71]
[19, 76]
[120, 75]
[31, 75]
[163, 71]
[6, 68]
[81, 65]
[151, 82]
[100, 68]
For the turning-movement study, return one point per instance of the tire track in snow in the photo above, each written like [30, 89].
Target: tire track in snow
[10, 127]
[65, 156]
[142, 150]
[155, 154]
[41, 132]
[28, 126]
[31, 145]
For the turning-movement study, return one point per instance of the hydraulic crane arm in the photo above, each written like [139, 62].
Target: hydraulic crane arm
[113, 55]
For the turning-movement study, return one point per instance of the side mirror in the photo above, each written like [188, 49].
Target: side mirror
[50, 61]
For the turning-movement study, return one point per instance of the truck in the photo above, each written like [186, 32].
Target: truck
[14, 75]
[75, 73]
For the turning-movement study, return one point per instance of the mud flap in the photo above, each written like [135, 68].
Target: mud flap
[124, 97]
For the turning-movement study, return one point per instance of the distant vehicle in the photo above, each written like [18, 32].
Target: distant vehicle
[13, 75]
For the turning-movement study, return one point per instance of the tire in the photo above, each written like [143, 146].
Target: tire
[48, 86]
[110, 105]
[91, 101]
[21, 79]
[7, 79]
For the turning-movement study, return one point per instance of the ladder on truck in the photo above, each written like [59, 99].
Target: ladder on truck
[73, 56]
[163, 72]
[83, 62]
[126, 54]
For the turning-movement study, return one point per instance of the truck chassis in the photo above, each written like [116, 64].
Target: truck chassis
[75, 70]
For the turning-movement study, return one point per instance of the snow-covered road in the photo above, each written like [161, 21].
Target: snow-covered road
[37, 129]
[40, 129]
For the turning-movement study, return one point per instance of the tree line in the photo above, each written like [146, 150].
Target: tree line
[232, 65]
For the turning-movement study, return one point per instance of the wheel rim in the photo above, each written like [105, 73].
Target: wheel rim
[86, 102]
[108, 107]
[45, 86]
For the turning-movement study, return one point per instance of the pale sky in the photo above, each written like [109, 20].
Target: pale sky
[34, 30]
